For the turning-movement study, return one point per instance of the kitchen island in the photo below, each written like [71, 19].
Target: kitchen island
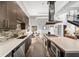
[10, 46]
[62, 45]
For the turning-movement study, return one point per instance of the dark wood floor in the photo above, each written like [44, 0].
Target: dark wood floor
[37, 48]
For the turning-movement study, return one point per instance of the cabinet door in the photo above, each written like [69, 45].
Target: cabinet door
[4, 9]
[20, 52]
[23, 17]
[27, 45]
[26, 19]
[11, 14]
[0, 9]
[19, 14]
[0, 14]
[3, 14]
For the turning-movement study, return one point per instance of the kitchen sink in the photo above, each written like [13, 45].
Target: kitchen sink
[22, 37]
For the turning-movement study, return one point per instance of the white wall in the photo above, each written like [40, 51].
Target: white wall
[39, 22]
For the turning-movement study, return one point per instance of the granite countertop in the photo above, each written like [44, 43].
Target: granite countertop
[7, 46]
[67, 44]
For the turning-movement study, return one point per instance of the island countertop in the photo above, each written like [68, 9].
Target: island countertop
[67, 44]
[7, 46]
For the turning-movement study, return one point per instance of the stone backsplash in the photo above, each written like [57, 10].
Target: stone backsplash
[13, 33]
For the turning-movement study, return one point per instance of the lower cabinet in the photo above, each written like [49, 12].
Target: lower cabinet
[21, 49]
[53, 49]
[56, 51]
[27, 44]
[20, 52]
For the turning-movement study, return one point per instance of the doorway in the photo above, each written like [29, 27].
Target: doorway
[34, 28]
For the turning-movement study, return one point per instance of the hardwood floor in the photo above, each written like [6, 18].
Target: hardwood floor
[37, 48]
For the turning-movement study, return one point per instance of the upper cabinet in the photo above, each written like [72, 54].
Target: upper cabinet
[27, 21]
[10, 12]
[0, 14]
[21, 16]
[3, 14]
[4, 10]
[11, 15]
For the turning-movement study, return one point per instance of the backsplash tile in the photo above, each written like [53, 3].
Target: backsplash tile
[13, 33]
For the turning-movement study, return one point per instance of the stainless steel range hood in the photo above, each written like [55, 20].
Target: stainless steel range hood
[51, 20]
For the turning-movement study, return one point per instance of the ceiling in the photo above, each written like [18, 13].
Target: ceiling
[41, 8]
[70, 5]
[36, 8]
